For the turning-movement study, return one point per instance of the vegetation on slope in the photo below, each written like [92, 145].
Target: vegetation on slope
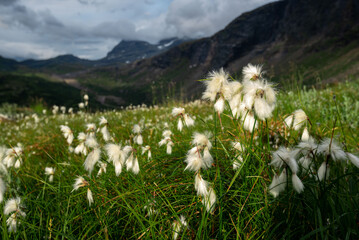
[150, 204]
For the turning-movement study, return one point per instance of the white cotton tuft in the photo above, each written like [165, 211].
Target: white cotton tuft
[136, 129]
[92, 159]
[273, 187]
[293, 165]
[219, 105]
[249, 122]
[139, 140]
[200, 185]
[89, 196]
[251, 72]
[330, 147]
[278, 184]
[262, 109]
[114, 152]
[17, 163]
[135, 167]
[103, 120]
[207, 158]
[237, 163]
[194, 162]
[169, 148]
[354, 159]
[79, 182]
[188, 120]
[177, 111]
[105, 134]
[50, 172]
[299, 119]
[289, 120]
[209, 200]
[305, 162]
[323, 171]
[297, 183]
[2, 189]
[179, 124]
[305, 135]
[118, 167]
[91, 142]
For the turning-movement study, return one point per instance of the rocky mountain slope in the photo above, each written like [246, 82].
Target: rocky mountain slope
[320, 38]
[130, 51]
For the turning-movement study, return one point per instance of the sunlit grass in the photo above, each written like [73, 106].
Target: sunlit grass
[147, 205]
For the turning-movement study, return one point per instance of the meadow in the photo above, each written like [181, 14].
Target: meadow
[248, 161]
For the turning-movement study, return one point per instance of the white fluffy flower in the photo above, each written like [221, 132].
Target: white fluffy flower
[278, 184]
[103, 120]
[136, 129]
[105, 133]
[296, 119]
[209, 200]
[200, 185]
[89, 196]
[284, 155]
[91, 142]
[14, 207]
[252, 72]
[217, 83]
[323, 171]
[260, 97]
[183, 117]
[178, 226]
[49, 171]
[354, 159]
[297, 183]
[66, 131]
[219, 105]
[2, 189]
[305, 135]
[92, 159]
[329, 147]
[199, 156]
[114, 152]
[79, 182]
[103, 167]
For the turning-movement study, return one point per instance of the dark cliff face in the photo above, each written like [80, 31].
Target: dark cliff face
[292, 22]
[277, 35]
[130, 51]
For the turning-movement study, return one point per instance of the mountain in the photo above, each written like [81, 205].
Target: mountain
[8, 64]
[130, 51]
[60, 64]
[123, 53]
[315, 39]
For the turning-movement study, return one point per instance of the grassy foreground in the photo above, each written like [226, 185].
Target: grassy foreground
[160, 201]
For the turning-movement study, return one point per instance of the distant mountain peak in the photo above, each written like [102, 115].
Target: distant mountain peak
[131, 50]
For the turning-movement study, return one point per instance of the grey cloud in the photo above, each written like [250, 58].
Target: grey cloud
[25, 17]
[50, 20]
[121, 29]
[7, 2]
[90, 2]
[184, 18]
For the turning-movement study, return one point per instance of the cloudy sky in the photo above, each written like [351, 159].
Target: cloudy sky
[41, 29]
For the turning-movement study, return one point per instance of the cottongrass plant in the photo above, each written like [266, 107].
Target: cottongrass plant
[182, 118]
[50, 171]
[198, 158]
[14, 208]
[257, 177]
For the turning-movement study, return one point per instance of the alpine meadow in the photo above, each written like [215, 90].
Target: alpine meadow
[246, 162]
